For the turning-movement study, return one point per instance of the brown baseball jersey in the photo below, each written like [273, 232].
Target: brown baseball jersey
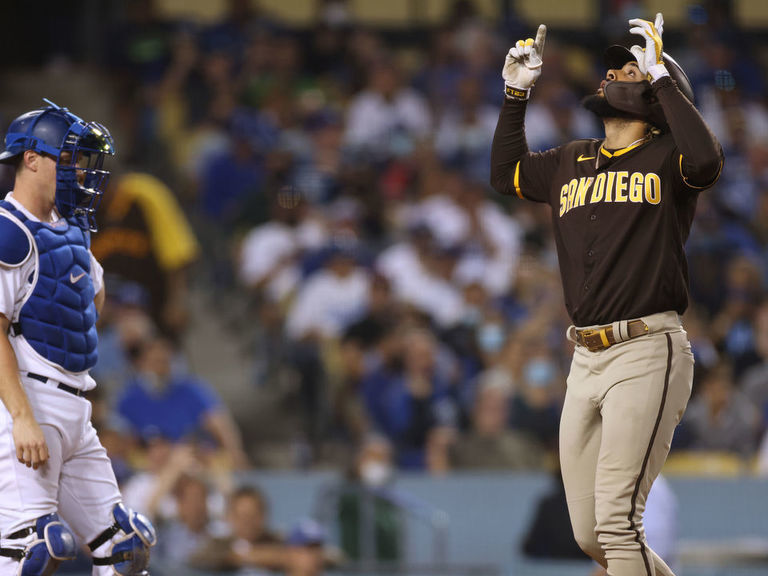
[621, 217]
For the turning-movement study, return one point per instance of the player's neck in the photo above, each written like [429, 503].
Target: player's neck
[33, 200]
[622, 132]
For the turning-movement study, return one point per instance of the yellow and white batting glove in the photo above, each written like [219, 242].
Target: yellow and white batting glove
[649, 59]
[522, 66]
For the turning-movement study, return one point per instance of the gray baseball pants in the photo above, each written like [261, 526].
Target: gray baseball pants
[621, 408]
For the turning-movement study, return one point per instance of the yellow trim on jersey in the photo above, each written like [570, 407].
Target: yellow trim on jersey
[685, 179]
[517, 180]
[621, 151]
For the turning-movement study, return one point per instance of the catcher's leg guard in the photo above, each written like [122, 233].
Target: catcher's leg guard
[53, 543]
[132, 535]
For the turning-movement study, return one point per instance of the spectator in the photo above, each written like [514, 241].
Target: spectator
[549, 534]
[164, 464]
[253, 542]
[126, 326]
[331, 299]
[370, 522]
[413, 268]
[754, 381]
[732, 327]
[490, 444]
[387, 118]
[307, 555]
[270, 253]
[720, 418]
[413, 404]
[370, 345]
[464, 132]
[146, 239]
[178, 406]
[492, 243]
[192, 526]
[250, 547]
[538, 399]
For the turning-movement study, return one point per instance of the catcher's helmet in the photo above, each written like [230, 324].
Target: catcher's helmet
[53, 130]
[637, 97]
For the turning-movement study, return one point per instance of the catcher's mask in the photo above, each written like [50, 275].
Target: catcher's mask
[79, 148]
[637, 97]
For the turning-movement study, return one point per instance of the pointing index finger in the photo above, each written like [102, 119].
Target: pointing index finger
[541, 36]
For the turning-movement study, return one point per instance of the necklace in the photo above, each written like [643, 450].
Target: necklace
[630, 145]
[636, 142]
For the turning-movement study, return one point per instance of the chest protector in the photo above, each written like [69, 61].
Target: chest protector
[58, 319]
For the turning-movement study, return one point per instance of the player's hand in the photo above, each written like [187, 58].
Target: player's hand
[31, 448]
[649, 59]
[522, 66]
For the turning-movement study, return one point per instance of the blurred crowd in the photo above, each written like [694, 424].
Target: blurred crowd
[327, 188]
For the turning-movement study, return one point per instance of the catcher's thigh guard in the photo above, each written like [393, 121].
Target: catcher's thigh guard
[132, 535]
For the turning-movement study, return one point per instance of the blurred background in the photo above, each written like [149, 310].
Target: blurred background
[327, 345]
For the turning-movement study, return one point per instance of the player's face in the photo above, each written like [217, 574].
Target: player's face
[247, 518]
[66, 160]
[47, 174]
[630, 72]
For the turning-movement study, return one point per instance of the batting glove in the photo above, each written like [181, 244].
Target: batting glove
[522, 66]
[649, 59]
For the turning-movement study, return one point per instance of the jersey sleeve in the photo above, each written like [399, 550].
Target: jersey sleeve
[514, 169]
[11, 290]
[699, 159]
[97, 274]
[532, 178]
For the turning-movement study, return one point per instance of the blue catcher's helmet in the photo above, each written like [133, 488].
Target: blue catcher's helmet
[79, 148]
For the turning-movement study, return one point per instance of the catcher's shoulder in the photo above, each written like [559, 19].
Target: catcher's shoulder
[15, 245]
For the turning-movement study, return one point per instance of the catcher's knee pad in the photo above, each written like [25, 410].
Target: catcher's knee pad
[132, 535]
[51, 543]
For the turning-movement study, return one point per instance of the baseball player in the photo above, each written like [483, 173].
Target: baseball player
[51, 288]
[622, 208]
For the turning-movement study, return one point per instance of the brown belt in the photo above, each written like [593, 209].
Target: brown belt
[595, 339]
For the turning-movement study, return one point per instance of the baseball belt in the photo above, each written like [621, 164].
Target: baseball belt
[596, 339]
[59, 385]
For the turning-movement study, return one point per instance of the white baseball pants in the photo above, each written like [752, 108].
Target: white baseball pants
[77, 481]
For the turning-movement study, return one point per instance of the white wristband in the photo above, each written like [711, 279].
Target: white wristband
[658, 71]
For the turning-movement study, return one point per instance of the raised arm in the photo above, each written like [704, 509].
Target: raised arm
[522, 67]
[702, 155]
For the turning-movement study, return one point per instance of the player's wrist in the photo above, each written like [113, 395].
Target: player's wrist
[515, 93]
[657, 71]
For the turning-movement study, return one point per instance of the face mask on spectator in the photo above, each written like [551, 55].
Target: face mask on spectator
[539, 373]
[375, 474]
[490, 337]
